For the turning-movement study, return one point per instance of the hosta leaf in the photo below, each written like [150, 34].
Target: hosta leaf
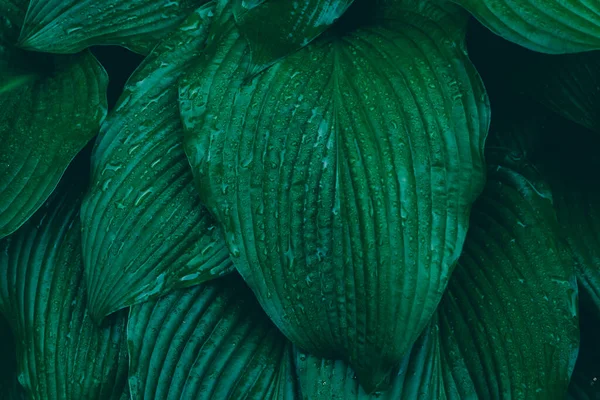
[508, 322]
[10, 389]
[211, 341]
[49, 109]
[144, 229]
[291, 25]
[61, 353]
[418, 376]
[343, 177]
[547, 26]
[69, 26]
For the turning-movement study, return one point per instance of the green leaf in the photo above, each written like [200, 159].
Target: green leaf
[144, 229]
[69, 26]
[508, 321]
[211, 341]
[343, 177]
[291, 25]
[50, 107]
[547, 26]
[418, 376]
[61, 353]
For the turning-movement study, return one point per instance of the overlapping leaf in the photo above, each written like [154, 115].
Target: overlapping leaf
[61, 353]
[50, 107]
[275, 28]
[69, 26]
[547, 26]
[343, 177]
[211, 341]
[144, 229]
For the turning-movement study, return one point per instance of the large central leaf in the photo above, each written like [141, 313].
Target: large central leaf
[343, 177]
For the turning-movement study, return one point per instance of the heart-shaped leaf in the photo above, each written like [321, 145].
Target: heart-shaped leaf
[144, 229]
[343, 177]
[62, 354]
[211, 341]
[69, 26]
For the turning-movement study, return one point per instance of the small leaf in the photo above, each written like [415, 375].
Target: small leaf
[547, 26]
[69, 26]
[50, 107]
[343, 177]
[61, 353]
[211, 341]
[144, 229]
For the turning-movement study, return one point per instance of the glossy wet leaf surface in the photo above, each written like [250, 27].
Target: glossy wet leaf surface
[69, 26]
[211, 341]
[50, 107]
[144, 229]
[62, 354]
[383, 126]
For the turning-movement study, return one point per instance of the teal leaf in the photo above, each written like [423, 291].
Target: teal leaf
[144, 229]
[291, 25]
[382, 126]
[50, 107]
[211, 341]
[62, 354]
[69, 26]
[547, 26]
